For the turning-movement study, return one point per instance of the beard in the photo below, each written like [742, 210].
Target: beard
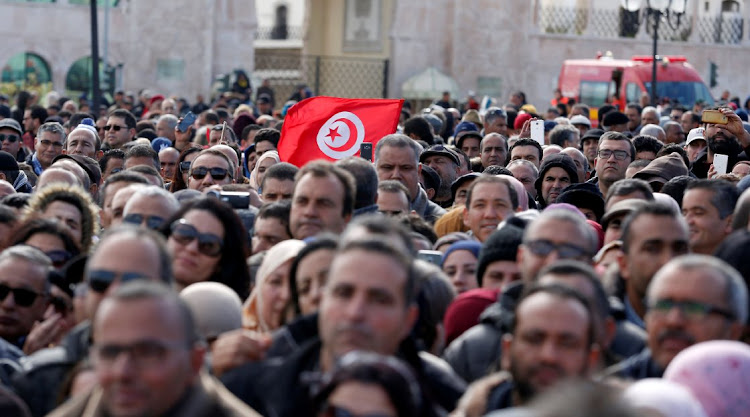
[723, 144]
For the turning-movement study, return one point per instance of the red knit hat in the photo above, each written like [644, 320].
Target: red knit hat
[463, 313]
[520, 120]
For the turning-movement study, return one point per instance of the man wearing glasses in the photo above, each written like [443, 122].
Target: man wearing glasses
[692, 299]
[48, 144]
[614, 153]
[120, 128]
[149, 207]
[10, 138]
[211, 167]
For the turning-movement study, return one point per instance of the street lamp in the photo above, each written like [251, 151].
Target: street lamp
[669, 10]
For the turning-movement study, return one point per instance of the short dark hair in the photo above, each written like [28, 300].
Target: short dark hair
[125, 115]
[283, 171]
[145, 151]
[527, 142]
[268, 134]
[628, 186]
[647, 143]
[584, 109]
[419, 126]
[124, 176]
[725, 194]
[491, 179]
[39, 113]
[573, 267]
[673, 147]
[365, 177]
[211, 117]
[393, 186]
[247, 129]
[278, 210]
[76, 118]
[653, 208]
[633, 105]
[321, 169]
[675, 187]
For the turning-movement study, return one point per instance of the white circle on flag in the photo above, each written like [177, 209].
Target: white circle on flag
[341, 135]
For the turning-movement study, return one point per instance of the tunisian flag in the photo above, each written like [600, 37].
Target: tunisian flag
[333, 128]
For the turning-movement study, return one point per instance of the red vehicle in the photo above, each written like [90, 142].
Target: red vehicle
[620, 81]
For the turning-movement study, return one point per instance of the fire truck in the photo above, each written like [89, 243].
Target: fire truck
[621, 81]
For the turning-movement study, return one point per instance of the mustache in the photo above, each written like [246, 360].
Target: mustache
[675, 334]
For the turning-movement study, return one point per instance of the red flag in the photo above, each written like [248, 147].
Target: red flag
[333, 128]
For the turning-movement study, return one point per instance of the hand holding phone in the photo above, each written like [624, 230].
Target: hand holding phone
[714, 117]
[186, 122]
[537, 131]
[720, 163]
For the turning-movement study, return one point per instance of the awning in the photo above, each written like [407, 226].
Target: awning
[429, 84]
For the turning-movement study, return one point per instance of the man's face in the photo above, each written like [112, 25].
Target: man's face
[554, 232]
[445, 167]
[673, 330]
[117, 138]
[490, 204]
[529, 153]
[207, 163]
[138, 160]
[555, 179]
[81, 143]
[675, 134]
[268, 232]
[68, 215]
[399, 164]
[160, 364]
[114, 165]
[650, 118]
[317, 206]
[16, 320]
[550, 343]
[588, 147]
[686, 121]
[163, 130]
[118, 205]
[48, 146]
[461, 193]
[653, 241]
[493, 151]
[579, 160]
[168, 161]
[153, 210]
[364, 305]
[707, 228]
[275, 189]
[263, 147]
[694, 148]
[526, 176]
[634, 118]
[393, 204]
[470, 146]
[28, 122]
[501, 273]
[611, 169]
[12, 141]
[720, 140]
[499, 125]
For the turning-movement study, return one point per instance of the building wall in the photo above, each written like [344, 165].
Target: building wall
[200, 38]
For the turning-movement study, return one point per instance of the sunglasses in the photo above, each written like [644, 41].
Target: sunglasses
[564, 250]
[216, 173]
[152, 222]
[208, 243]
[21, 296]
[9, 138]
[116, 128]
[59, 257]
[100, 279]
[185, 166]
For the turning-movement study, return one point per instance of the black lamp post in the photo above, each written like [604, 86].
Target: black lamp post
[656, 10]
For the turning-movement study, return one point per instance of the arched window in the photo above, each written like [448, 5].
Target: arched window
[280, 29]
[78, 79]
[26, 71]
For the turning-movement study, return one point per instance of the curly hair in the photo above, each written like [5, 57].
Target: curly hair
[73, 195]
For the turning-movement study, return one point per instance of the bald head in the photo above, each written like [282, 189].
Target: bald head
[57, 175]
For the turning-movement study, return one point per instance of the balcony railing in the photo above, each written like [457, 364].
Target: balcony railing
[279, 33]
[726, 28]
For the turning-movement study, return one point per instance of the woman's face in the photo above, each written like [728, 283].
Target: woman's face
[185, 172]
[263, 166]
[274, 294]
[461, 267]
[190, 265]
[359, 399]
[311, 277]
[68, 215]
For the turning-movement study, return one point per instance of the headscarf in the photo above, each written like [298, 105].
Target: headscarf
[667, 397]
[279, 254]
[254, 176]
[718, 374]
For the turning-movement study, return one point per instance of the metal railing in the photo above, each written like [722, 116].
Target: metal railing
[726, 28]
[278, 33]
[332, 76]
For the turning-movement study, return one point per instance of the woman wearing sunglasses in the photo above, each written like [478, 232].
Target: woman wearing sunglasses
[207, 242]
[50, 237]
[180, 178]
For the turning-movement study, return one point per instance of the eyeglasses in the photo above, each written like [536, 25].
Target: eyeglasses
[185, 166]
[152, 222]
[59, 257]
[619, 155]
[143, 354]
[116, 128]
[564, 250]
[100, 279]
[208, 243]
[692, 309]
[22, 296]
[48, 143]
[115, 171]
[10, 138]
[216, 173]
[336, 411]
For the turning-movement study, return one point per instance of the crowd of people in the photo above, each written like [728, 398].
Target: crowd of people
[153, 263]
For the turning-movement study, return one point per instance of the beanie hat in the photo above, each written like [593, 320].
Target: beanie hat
[160, 143]
[614, 118]
[468, 245]
[7, 162]
[464, 126]
[520, 120]
[463, 313]
[217, 308]
[663, 169]
[559, 160]
[584, 195]
[502, 245]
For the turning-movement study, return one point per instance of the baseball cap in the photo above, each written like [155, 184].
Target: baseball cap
[580, 120]
[11, 124]
[463, 179]
[697, 133]
[439, 150]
